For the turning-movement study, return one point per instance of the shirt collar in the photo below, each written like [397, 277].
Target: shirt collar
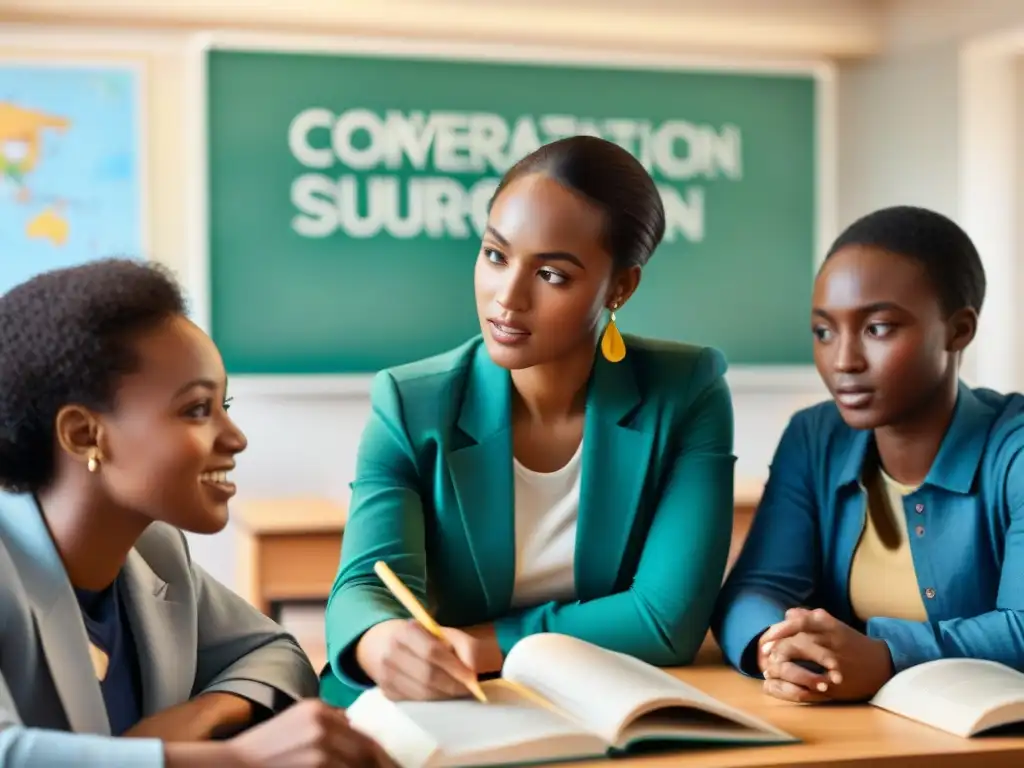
[959, 455]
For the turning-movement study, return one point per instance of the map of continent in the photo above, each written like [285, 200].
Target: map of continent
[70, 169]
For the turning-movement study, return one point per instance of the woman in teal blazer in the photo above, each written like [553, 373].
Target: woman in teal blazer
[526, 483]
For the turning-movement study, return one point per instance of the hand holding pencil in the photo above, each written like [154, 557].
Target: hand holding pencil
[417, 659]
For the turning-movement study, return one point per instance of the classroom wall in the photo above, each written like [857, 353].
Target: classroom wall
[898, 110]
[899, 115]
[912, 85]
[1019, 92]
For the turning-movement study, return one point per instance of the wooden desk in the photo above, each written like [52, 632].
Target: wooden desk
[288, 549]
[843, 736]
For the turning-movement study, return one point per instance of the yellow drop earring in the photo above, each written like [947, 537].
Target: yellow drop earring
[612, 345]
[93, 464]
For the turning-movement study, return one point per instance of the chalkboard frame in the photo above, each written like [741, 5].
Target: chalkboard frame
[751, 378]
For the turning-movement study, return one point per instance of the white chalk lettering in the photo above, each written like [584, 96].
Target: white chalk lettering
[412, 173]
[362, 207]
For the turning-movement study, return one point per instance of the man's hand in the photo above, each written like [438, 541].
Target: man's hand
[200, 719]
[851, 666]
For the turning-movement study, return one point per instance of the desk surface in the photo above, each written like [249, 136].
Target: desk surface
[834, 735]
[837, 736]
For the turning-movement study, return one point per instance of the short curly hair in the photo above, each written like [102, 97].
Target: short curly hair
[66, 337]
[933, 240]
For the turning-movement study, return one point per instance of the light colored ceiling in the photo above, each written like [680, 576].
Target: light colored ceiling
[832, 28]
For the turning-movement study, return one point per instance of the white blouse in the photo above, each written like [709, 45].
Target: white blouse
[546, 507]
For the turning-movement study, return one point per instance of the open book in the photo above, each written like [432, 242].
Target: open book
[559, 698]
[960, 696]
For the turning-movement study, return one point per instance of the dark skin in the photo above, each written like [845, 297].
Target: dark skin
[150, 455]
[545, 273]
[889, 353]
[95, 518]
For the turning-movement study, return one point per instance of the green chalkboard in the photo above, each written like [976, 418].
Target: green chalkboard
[345, 196]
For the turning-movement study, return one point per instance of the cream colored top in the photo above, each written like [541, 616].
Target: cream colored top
[883, 581]
[546, 505]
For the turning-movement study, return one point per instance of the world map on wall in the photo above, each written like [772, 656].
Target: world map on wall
[70, 169]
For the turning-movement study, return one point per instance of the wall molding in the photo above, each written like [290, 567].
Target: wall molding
[837, 30]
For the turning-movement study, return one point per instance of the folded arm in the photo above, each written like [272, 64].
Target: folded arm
[995, 636]
[777, 568]
[22, 747]
[385, 507]
[37, 748]
[243, 653]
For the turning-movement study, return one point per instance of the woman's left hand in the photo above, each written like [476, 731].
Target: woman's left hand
[492, 657]
[856, 665]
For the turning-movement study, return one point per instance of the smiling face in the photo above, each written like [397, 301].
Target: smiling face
[544, 274]
[167, 445]
[883, 344]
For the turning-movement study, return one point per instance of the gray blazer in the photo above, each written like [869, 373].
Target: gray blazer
[193, 636]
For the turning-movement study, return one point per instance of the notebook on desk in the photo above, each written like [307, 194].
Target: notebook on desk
[965, 697]
[559, 698]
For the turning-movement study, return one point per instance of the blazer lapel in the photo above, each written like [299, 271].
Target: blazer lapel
[616, 456]
[480, 465]
[62, 633]
[161, 629]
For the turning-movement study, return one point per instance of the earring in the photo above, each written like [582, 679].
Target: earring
[612, 345]
[93, 464]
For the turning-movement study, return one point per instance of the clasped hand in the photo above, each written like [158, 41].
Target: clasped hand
[851, 665]
[407, 662]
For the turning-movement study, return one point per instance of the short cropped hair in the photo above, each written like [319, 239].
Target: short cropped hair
[938, 243]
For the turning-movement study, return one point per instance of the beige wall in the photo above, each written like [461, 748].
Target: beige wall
[900, 142]
[898, 110]
[1019, 93]
[897, 143]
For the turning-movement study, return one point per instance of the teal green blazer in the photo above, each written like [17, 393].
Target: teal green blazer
[433, 497]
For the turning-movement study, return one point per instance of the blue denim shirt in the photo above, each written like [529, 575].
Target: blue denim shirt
[966, 525]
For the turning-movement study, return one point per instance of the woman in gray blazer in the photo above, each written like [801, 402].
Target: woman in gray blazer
[114, 437]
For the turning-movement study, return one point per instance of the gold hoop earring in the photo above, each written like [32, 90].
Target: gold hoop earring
[613, 347]
[93, 464]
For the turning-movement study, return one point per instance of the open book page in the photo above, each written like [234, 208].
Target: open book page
[960, 696]
[621, 698]
[509, 728]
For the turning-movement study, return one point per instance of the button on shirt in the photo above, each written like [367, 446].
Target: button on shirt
[882, 577]
[968, 562]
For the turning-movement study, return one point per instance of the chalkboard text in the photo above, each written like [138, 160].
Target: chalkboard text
[410, 174]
